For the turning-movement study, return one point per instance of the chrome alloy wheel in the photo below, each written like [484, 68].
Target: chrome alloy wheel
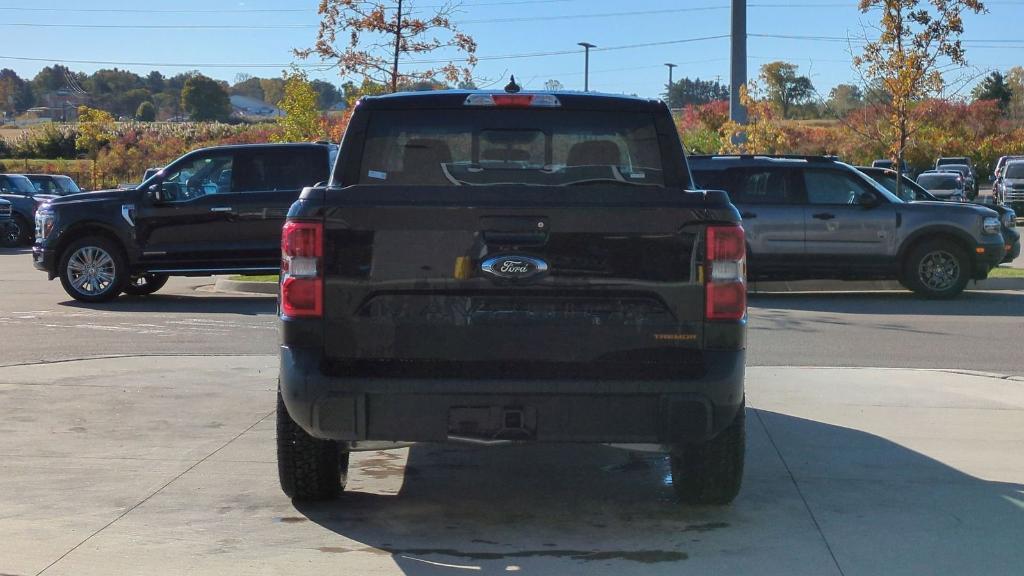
[91, 270]
[939, 271]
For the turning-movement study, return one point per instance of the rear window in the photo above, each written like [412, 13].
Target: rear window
[754, 185]
[510, 147]
[1015, 170]
[938, 181]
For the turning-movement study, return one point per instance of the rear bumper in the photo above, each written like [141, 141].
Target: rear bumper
[547, 410]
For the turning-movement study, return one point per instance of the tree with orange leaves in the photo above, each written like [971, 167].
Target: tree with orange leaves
[368, 39]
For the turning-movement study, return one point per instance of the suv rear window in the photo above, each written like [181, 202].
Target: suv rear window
[486, 147]
[755, 185]
[938, 181]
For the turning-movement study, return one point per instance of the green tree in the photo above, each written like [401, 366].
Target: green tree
[686, 92]
[301, 120]
[327, 94]
[994, 87]
[784, 87]
[1015, 81]
[146, 112]
[249, 87]
[844, 98]
[94, 130]
[205, 99]
[15, 93]
[916, 42]
[369, 39]
[273, 90]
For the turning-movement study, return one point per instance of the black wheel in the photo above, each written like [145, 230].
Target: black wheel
[93, 269]
[145, 285]
[16, 232]
[309, 468]
[937, 269]
[711, 472]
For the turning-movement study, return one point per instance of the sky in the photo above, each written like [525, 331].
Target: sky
[222, 38]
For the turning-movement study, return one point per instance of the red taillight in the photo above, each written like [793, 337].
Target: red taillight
[725, 290]
[302, 246]
[523, 100]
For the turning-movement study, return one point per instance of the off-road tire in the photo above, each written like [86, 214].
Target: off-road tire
[145, 285]
[309, 468]
[119, 264]
[916, 280]
[711, 472]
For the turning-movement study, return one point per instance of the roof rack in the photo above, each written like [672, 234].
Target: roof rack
[809, 157]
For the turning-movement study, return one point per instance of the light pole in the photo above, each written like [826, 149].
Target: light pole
[668, 93]
[586, 64]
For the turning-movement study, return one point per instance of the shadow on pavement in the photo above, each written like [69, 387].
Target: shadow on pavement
[884, 509]
[967, 304]
[176, 304]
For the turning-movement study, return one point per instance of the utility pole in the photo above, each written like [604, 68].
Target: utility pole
[398, 46]
[738, 68]
[586, 64]
[668, 93]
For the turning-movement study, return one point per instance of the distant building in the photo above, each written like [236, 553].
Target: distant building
[247, 107]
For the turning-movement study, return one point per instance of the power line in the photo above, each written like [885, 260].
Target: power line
[327, 64]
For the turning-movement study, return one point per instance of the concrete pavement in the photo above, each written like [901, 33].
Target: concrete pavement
[165, 465]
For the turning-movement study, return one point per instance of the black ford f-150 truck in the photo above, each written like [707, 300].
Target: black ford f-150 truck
[496, 267]
[215, 210]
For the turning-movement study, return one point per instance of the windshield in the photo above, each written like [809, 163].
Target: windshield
[909, 192]
[511, 147]
[67, 185]
[1015, 170]
[938, 181]
[960, 168]
[17, 183]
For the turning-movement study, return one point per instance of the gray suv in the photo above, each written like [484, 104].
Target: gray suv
[810, 217]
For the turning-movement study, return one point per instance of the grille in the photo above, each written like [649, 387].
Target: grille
[5, 211]
[1015, 196]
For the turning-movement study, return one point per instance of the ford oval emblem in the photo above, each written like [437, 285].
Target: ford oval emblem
[513, 267]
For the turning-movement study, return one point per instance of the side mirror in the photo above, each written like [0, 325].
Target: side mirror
[156, 193]
[868, 200]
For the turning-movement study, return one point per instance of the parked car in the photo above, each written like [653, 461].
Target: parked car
[883, 163]
[9, 235]
[1011, 186]
[970, 185]
[913, 192]
[814, 217]
[490, 267]
[213, 211]
[997, 172]
[944, 185]
[24, 199]
[972, 181]
[53, 184]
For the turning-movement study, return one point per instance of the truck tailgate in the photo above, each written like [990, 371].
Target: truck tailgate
[406, 290]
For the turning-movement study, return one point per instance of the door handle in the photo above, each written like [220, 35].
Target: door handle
[748, 215]
[824, 216]
[222, 209]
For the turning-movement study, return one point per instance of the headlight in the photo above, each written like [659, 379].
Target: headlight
[44, 223]
[990, 225]
[1010, 219]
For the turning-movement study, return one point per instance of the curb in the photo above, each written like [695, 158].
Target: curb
[872, 285]
[224, 284]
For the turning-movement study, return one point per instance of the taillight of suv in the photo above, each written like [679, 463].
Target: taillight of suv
[725, 288]
[302, 250]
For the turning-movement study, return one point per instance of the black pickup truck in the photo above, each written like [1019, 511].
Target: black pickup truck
[493, 267]
[213, 211]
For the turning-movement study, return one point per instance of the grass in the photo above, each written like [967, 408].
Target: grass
[260, 278]
[1006, 272]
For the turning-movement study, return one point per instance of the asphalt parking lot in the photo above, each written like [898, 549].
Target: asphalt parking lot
[138, 439]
